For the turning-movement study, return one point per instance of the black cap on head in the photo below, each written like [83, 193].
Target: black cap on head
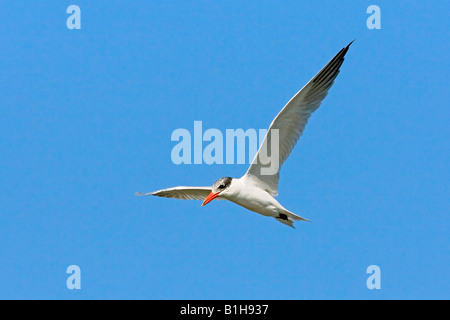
[222, 184]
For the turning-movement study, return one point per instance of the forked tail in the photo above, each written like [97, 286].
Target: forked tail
[288, 218]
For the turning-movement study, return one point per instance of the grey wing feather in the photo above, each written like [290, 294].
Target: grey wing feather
[184, 193]
[291, 122]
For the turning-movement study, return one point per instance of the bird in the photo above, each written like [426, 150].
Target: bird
[255, 190]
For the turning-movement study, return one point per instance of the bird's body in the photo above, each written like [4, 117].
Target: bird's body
[255, 191]
[252, 198]
[257, 200]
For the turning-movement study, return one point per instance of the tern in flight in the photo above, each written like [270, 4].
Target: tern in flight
[255, 191]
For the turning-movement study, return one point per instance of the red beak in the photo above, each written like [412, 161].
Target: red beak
[210, 197]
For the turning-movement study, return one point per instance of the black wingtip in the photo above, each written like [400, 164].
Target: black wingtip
[348, 46]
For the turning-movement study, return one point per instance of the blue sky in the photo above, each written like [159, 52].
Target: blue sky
[87, 117]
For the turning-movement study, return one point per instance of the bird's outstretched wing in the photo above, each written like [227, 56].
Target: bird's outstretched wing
[291, 122]
[184, 193]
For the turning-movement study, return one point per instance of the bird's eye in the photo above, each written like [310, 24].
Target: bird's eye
[221, 186]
